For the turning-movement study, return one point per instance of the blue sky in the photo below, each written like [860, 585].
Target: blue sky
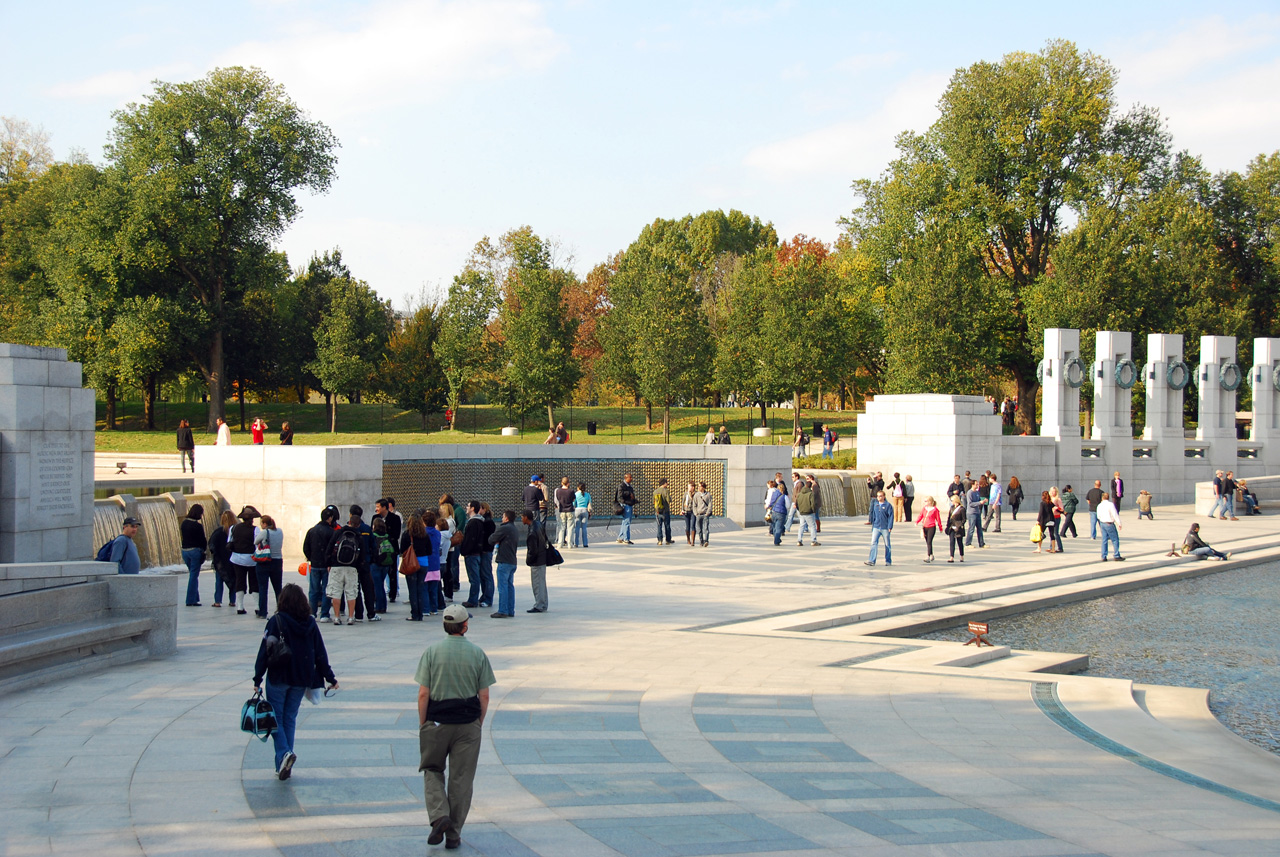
[587, 120]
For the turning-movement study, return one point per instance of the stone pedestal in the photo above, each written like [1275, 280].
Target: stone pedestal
[1217, 414]
[1060, 399]
[1266, 400]
[1164, 409]
[46, 457]
[930, 437]
[1113, 403]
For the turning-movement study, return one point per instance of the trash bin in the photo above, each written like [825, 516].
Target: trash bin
[591, 427]
[817, 429]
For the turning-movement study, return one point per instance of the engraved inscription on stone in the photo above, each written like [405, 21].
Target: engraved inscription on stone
[55, 478]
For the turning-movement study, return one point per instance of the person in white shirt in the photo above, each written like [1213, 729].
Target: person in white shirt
[993, 505]
[224, 433]
[1109, 523]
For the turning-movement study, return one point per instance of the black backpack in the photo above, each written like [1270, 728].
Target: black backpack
[104, 552]
[345, 549]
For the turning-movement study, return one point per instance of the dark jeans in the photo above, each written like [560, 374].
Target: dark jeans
[414, 583]
[393, 580]
[379, 573]
[271, 571]
[664, 526]
[906, 506]
[1068, 525]
[929, 533]
[957, 541]
[188, 455]
[194, 558]
[364, 596]
[317, 582]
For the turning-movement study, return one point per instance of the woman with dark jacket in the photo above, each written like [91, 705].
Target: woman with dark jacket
[220, 554]
[1048, 523]
[186, 445]
[956, 519]
[305, 668]
[194, 544]
[415, 536]
[1014, 495]
[241, 541]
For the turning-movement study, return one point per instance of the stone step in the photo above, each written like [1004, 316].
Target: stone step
[36, 649]
[75, 664]
[1172, 726]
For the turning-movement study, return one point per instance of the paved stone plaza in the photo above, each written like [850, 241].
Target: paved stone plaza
[675, 701]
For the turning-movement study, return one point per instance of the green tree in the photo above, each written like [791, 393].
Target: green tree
[211, 168]
[410, 372]
[1018, 144]
[537, 368]
[350, 341]
[465, 346]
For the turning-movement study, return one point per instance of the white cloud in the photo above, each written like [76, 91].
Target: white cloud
[862, 146]
[115, 85]
[864, 62]
[1216, 83]
[402, 53]
[394, 53]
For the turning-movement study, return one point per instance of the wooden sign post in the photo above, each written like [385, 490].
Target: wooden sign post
[979, 631]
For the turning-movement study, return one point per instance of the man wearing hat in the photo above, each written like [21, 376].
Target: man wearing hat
[124, 553]
[535, 500]
[453, 678]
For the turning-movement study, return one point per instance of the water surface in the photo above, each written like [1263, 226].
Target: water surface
[1220, 631]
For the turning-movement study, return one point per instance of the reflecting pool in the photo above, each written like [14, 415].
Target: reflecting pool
[1220, 631]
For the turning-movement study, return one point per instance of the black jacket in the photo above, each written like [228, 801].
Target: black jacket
[219, 550]
[241, 537]
[535, 547]
[308, 667]
[193, 534]
[474, 540]
[625, 495]
[315, 545]
[185, 440]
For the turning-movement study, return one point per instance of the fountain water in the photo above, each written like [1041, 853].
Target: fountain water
[159, 540]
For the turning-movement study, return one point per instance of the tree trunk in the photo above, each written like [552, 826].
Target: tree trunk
[551, 418]
[795, 411]
[666, 423]
[764, 414]
[302, 393]
[843, 391]
[717, 400]
[111, 407]
[648, 415]
[149, 402]
[333, 416]
[214, 376]
[424, 421]
[1026, 416]
[240, 396]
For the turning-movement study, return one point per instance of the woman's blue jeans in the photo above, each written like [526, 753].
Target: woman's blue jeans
[379, 588]
[486, 579]
[507, 588]
[580, 517]
[194, 558]
[285, 700]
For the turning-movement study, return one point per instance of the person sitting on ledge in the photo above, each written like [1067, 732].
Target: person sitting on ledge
[1199, 548]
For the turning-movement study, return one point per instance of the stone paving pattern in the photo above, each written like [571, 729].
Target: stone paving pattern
[617, 727]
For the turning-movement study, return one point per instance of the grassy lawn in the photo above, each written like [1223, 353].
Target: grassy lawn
[371, 424]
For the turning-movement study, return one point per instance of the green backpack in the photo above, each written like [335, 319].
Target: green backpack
[386, 551]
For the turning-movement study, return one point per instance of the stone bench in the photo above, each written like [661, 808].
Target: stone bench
[66, 630]
[34, 657]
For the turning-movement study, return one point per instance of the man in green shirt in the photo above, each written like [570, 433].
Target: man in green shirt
[453, 695]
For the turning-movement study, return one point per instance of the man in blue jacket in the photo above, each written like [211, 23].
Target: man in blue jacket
[881, 526]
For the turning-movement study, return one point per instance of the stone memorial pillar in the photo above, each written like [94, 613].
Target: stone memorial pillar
[46, 457]
[1219, 377]
[1167, 376]
[1114, 375]
[1263, 377]
[1063, 375]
